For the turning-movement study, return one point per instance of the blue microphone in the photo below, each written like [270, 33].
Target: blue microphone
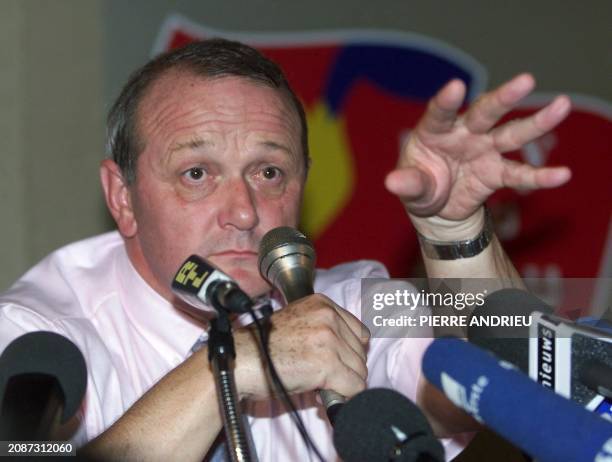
[548, 427]
[572, 358]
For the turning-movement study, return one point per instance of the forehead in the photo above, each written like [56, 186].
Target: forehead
[180, 98]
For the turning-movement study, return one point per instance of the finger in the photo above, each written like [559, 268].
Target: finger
[345, 381]
[409, 183]
[335, 357]
[353, 328]
[417, 190]
[491, 106]
[339, 321]
[524, 176]
[442, 109]
[355, 340]
[515, 134]
[353, 360]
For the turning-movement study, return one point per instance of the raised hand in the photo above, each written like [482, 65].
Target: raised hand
[452, 163]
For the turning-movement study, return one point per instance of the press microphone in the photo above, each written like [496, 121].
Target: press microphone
[545, 425]
[287, 261]
[382, 425]
[43, 378]
[208, 289]
[571, 359]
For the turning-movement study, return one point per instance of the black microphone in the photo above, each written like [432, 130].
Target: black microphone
[573, 360]
[208, 289]
[508, 342]
[43, 378]
[287, 261]
[382, 425]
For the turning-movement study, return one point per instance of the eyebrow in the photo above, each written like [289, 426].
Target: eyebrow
[274, 145]
[193, 143]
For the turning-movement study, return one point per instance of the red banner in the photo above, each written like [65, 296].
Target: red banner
[364, 90]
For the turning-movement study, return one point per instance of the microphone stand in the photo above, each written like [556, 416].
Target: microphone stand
[221, 354]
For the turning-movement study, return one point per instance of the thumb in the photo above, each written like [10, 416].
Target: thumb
[414, 187]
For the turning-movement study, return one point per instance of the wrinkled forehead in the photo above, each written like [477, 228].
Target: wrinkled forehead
[183, 88]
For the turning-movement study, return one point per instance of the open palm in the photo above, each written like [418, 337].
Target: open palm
[452, 163]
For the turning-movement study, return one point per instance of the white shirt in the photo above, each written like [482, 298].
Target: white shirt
[130, 337]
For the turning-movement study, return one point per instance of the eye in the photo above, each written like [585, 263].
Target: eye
[195, 174]
[271, 173]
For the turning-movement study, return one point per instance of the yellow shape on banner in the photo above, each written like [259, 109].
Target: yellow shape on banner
[332, 172]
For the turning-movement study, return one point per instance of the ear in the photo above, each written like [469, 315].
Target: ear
[117, 196]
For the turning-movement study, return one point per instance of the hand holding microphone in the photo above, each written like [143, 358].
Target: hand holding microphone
[311, 346]
[313, 342]
[286, 260]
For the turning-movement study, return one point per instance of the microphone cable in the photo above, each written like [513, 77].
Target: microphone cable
[206, 288]
[263, 331]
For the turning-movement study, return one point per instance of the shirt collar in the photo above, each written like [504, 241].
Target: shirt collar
[172, 331]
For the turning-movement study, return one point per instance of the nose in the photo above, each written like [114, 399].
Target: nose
[238, 210]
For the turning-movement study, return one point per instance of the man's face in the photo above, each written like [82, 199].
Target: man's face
[221, 165]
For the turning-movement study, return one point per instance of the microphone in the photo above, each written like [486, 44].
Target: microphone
[508, 342]
[382, 425]
[208, 289]
[548, 427]
[43, 378]
[287, 260]
[575, 361]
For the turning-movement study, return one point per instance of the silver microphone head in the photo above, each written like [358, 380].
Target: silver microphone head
[287, 260]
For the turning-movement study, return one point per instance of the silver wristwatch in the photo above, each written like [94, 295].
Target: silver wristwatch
[453, 250]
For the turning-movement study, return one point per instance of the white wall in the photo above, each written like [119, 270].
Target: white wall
[12, 219]
[51, 127]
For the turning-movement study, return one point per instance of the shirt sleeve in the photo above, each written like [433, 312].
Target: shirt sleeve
[395, 356]
[17, 320]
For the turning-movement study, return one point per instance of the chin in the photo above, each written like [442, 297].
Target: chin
[249, 281]
[243, 270]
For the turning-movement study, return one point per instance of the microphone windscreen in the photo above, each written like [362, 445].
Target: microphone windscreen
[286, 261]
[51, 354]
[377, 422]
[282, 235]
[510, 343]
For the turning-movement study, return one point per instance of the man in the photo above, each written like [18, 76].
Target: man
[209, 152]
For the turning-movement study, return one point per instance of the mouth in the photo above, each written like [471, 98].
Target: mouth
[235, 253]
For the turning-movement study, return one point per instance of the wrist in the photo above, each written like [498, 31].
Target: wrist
[443, 230]
[248, 367]
[458, 240]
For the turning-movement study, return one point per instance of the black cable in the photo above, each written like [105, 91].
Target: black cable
[278, 384]
[236, 300]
